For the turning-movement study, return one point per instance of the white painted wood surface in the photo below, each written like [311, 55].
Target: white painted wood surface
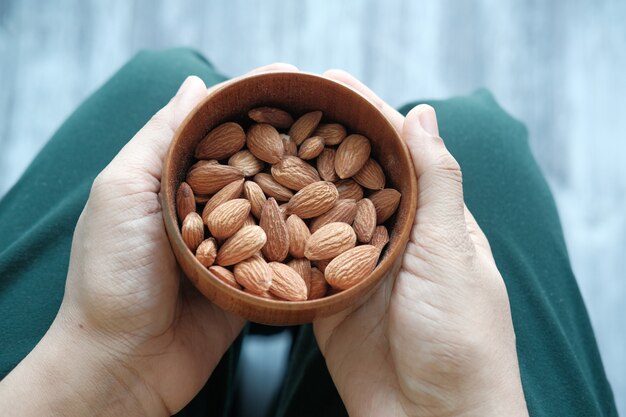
[556, 65]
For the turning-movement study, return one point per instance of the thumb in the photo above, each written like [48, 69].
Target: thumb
[440, 206]
[141, 159]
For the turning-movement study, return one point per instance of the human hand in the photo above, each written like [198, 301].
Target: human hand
[131, 337]
[438, 339]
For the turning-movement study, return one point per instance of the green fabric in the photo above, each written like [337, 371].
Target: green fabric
[561, 369]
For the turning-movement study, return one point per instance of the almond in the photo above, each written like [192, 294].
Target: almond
[207, 251]
[351, 267]
[232, 190]
[303, 267]
[271, 188]
[380, 237]
[203, 162]
[318, 285]
[250, 221]
[201, 198]
[254, 274]
[224, 275]
[185, 201]
[343, 211]
[221, 142]
[287, 283]
[227, 218]
[210, 178]
[272, 222]
[365, 220]
[311, 148]
[326, 165]
[292, 172]
[243, 244]
[304, 126]
[330, 241]
[245, 160]
[322, 264]
[289, 145]
[351, 155]
[349, 189]
[333, 133]
[278, 118]
[298, 235]
[386, 202]
[253, 192]
[265, 143]
[371, 176]
[193, 231]
[313, 200]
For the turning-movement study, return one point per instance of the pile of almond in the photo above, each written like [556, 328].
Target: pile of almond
[290, 210]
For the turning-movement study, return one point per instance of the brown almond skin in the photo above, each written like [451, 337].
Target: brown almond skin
[371, 176]
[254, 274]
[224, 275]
[330, 241]
[243, 244]
[232, 190]
[185, 201]
[207, 251]
[386, 202]
[272, 222]
[380, 237]
[227, 218]
[351, 267]
[193, 231]
[364, 220]
[311, 148]
[272, 188]
[303, 267]
[253, 192]
[349, 189]
[293, 173]
[289, 145]
[210, 178]
[298, 235]
[351, 155]
[318, 285]
[203, 162]
[333, 133]
[344, 211]
[245, 160]
[221, 142]
[313, 200]
[304, 126]
[265, 143]
[265, 294]
[278, 118]
[287, 284]
[250, 221]
[201, 198]
[326, 165]
[322, 264]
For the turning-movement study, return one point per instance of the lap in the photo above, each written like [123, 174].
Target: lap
[561, 369]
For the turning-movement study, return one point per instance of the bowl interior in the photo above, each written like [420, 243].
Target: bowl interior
[296, 93]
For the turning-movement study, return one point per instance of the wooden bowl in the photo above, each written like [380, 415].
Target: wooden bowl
[297, 93]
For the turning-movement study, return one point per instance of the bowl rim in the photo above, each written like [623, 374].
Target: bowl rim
[384, 266]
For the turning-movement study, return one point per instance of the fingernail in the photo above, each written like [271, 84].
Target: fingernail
[184, 87]
[428, 119]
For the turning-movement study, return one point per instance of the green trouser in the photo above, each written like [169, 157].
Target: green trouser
[561, 370]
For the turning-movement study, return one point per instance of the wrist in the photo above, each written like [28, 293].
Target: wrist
[69, 374]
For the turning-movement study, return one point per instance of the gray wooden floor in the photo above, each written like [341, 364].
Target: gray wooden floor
[556, 65]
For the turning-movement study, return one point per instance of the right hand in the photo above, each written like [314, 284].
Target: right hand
[438, 339]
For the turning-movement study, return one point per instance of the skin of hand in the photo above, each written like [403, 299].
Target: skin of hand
[131, 337]
[438, 339]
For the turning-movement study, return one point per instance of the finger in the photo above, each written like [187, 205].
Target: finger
[390, 113]
[476, 233]
[142, 157]
[440, 190]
